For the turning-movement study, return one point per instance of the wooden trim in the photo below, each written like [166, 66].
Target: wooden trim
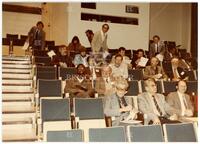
[21, 9]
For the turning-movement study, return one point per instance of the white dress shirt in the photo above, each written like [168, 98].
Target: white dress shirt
[182, 99]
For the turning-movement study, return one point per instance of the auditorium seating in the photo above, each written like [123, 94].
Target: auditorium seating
[183, 132]
[136, 74]
[41, 60]
[159, 86]
[54, 115]
[142, 133]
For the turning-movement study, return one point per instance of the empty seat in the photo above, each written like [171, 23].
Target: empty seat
[44, 72]
[49, 43]
[169, 86]
[141, 133]
[191, 75]
[112, 134]
[55, 115]
[41, 60]
[42, 56]
[133, 89]
[136, 74]
[23, 37]
[12, 36]
[192, 86]
[65, 136]
[159, 86]
[66, 73]
[182, 132]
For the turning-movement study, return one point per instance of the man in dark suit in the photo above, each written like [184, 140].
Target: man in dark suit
[157, 47]
[180, 100]
[153, 104]
[36, 36]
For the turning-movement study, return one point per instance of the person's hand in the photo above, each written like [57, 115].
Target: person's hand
[125, 109]
[188, 112]
[156, 121]
[173, 117]
[157, 76]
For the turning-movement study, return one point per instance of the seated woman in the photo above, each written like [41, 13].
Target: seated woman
[75, 45]
[117, 106]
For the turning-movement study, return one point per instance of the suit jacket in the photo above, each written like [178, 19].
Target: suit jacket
[40, 36]
[144, 104]
[152, 49]
[98, 44]
[73, 87]
[150, 72]
[111, 108]
[174, 101]
[182, 73]
[100, 87]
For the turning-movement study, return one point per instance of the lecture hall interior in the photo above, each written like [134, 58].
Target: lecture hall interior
[99, 71]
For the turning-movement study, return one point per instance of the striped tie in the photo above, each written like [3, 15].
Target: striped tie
[157, 106]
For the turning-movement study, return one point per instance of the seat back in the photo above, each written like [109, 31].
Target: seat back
[49, 88]
[65, 136]
[41, 60]
[12, 36]
[136, 74]
[149, 133]
[66, 73]
[88, 108]
[111, 134]
[46, 72]
[192, 86]
[169, 86]
[133, 89]
[191, 75]
[182, 132]
[159, 85]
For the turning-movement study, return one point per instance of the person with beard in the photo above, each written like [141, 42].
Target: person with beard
[119, 68]
[79, 85]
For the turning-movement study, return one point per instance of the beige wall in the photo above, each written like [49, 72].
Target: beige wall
[172, 22]
[129, 36]
[19, 23]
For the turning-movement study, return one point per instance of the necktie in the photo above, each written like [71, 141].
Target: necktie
[184, 101]
[37, 34]
[122, 102]
[157, 106]
[107, 80]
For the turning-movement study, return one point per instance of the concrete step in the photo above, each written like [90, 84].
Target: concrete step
[19, 132]
[12, 107]
[20, 117]
[15, 62]
[6, 81]
[14, 96]
[16, 70]
[16, 66]
[13, 58]
[24, 76]
[6, 88]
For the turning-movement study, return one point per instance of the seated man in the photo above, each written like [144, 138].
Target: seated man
[117, 106]
[136, 59]
[153, 104]
[171, 53]
[79, 85]
[154, 71]
[180, 100]
[177, 72]
[118, 68]
[81, 58]
[62, 58]
[104, 84]
[126, 59]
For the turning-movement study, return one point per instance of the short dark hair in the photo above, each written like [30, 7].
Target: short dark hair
[121, 49]
[140, 50]
[89, 31]
[40, 22]
[156, 36]
[105, 25]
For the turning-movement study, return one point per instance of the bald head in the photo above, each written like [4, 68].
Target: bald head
[106, 71]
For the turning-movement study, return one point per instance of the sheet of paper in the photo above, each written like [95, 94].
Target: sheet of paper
[51, 53]
[127, 61]
[26, 45]
[143, 61]
[105, 54]
[160, 57]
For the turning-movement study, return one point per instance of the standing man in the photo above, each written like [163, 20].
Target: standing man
[90, 35]
[157, 47]
[99, 41]
[36, 36]
[180, 100]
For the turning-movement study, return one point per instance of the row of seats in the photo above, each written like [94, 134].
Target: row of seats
[153, 133]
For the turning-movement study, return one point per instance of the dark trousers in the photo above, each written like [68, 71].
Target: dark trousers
[164, 120]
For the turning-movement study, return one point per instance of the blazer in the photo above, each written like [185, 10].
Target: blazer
[174, 101]
[98, 44]
[182, 73]
[152, 49]
[144, 104]
[111, 108]
[150, 72]
[100, 87]
[32, 37]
